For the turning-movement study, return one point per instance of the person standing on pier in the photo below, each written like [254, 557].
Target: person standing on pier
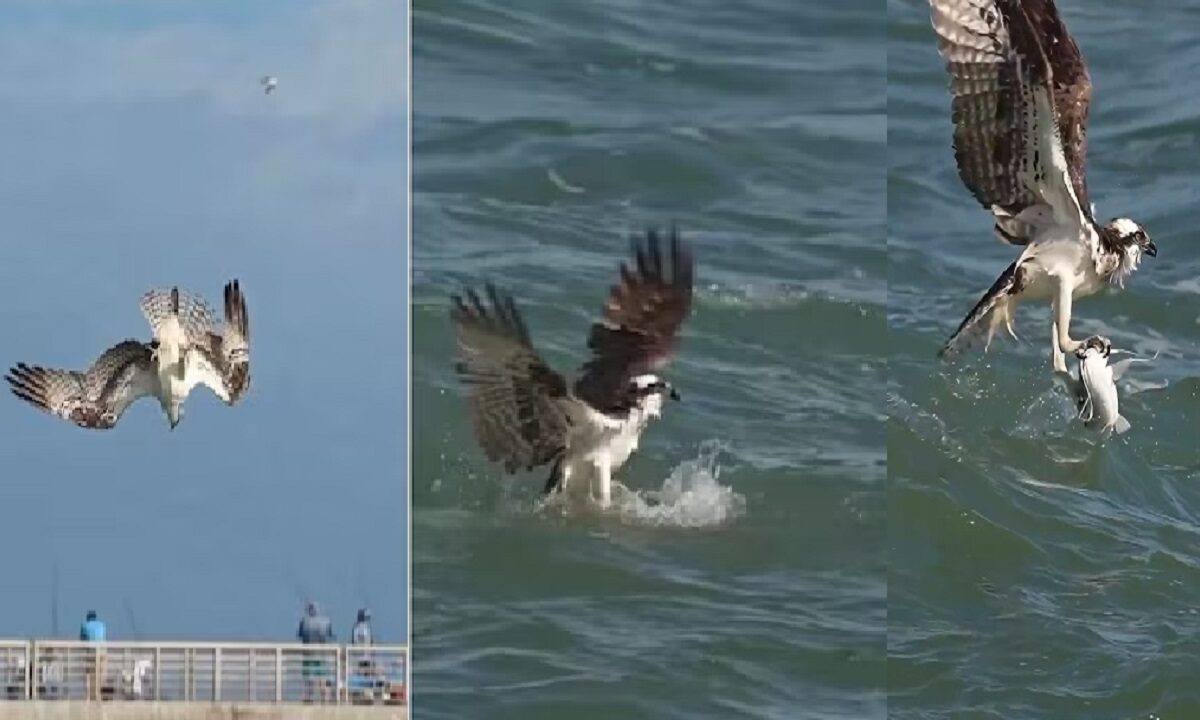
[93, 630]
[361, 634]
[315, 629]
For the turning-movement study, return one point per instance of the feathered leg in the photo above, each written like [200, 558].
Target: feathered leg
[604, 482]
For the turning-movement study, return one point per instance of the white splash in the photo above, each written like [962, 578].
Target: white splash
[692, 496]
[558, 182]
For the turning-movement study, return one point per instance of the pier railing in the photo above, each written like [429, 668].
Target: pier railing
[203, 672]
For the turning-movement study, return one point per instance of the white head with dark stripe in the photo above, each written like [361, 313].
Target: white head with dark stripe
[648, 392]
[1132, 241]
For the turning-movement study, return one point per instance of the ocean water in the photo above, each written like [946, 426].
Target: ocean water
[1037, 571]
[742, 573]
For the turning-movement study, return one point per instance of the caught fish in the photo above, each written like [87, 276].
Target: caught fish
[1095, 390]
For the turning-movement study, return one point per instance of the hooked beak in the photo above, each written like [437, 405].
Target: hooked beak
[1151, 250]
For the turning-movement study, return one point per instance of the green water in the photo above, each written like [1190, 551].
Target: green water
[832, 523]
[542, 138]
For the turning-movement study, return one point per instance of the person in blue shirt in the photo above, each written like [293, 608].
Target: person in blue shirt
[93, 630]
[315, 629]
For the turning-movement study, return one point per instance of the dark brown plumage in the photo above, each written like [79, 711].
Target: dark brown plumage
[513, 395]
[640, 326]
[1000, 53]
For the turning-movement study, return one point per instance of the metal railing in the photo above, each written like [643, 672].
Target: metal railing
[203, 672]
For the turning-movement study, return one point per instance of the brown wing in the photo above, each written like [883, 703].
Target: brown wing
[1000, 54]
[94, 399]
[226, 355]
[517, 403]
[1072, 89]
[640, 326]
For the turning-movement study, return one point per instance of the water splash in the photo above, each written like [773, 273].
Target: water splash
[692, 496]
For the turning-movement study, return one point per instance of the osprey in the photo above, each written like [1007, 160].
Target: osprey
[188, 349]
[269, 83]
[1020, 107]
[525, 414]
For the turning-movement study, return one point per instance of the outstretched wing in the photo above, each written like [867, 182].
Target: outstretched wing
[518, 404]
[196, 318]
[94, 399]
[641, 321]
[221, 360]
[1020, 107]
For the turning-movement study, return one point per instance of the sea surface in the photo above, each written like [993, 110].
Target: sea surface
[1036, 571]
[742, 574]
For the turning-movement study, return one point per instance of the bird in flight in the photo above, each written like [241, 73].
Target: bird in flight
[188, 349]
[526, 415]
[1020, 95]
[269, 83]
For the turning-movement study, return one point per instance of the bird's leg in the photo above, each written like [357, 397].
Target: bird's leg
[1060, 360]
[604, 480]
[1062, 319]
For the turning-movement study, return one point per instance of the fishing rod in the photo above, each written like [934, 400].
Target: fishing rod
[131, 620]
[54, 597]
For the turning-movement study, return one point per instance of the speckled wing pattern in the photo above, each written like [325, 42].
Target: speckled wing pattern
[640, 326]
[94, 399]
[222, 359]
[1002, 56]
[518, 405]
[195, 316]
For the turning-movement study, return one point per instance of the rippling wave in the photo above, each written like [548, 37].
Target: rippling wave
[744, 578]
[1038, 570]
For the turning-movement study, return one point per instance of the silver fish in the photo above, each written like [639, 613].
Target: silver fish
[1095, 391]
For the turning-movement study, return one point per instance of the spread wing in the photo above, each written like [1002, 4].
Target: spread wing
[195, 316]
[1021, 93]
[518, 404]
[640, 326]
[221, 359]
[93, 399]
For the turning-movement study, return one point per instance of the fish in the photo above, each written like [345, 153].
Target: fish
[1095, 390]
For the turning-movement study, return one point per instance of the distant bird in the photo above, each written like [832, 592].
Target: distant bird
[1021, 93]
[525, 415]
[188, 349]
[269, 83]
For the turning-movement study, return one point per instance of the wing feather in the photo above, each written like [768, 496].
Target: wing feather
[640, 326]
[94, 399]
[1017, 78]
[221, 360]
[195, 315]
[517, 403]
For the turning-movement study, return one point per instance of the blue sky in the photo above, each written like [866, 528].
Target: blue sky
[139, 151]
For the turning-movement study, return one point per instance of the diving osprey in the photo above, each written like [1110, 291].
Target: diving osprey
[526, 415]
[1020, 107]
[188, 349]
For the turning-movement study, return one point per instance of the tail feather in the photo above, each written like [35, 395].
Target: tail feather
[995, 309]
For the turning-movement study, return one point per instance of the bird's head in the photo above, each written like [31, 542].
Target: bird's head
[174, 413]
[1132, 241]
[649, 391]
